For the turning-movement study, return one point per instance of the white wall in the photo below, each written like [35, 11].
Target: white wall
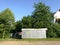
[34, 33]
[56, 16]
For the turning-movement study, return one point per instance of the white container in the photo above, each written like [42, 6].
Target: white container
[34, 33]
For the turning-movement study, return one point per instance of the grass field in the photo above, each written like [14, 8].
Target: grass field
[47, 39]
[31, 39]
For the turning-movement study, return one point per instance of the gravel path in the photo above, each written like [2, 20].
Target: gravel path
[30, 43]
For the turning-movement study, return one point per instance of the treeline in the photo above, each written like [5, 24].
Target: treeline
[41, 18]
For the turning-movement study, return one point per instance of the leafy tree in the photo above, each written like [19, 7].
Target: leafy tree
[43, 18]
[18, 26]
[1, 30]
[27, 22]
[41, 14]
[53, 30]
[7, 19]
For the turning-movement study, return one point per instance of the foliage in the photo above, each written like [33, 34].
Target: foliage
[42, 18]
[27, 22]
[18, 26]
[41, 14]
[53, 30]
[6, 21]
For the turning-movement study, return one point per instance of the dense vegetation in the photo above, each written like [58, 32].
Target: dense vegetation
[41, 18]
[6, 23]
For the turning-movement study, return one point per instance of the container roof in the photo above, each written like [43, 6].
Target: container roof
[34, 29]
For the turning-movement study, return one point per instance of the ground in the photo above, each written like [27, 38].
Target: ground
[30, 43]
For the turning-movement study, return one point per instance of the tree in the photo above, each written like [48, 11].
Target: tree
[53, 30]
[8, 20]
[18, 30]
[18, 26]
[27, 22]
[43, 18]
[41, 14]
[1, 30]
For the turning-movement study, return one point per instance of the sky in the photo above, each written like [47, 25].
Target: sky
[21, 8]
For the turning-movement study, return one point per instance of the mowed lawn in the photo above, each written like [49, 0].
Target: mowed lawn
[52, 41]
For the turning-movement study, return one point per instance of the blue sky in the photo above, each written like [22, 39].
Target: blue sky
[22, 8]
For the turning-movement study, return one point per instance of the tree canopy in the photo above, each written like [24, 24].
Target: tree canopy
[7, 21]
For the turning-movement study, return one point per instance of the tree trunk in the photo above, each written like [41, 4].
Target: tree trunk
[3, 34]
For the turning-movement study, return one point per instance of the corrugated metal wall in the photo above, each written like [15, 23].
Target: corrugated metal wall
[35, 33]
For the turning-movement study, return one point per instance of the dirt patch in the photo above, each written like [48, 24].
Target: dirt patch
[30, 43]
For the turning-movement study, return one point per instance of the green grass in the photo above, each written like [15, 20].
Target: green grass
[31, 39]
[42, 39]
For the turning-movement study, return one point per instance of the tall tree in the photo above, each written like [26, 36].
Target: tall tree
[7, 19]
[41, 14]
[43, 18]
